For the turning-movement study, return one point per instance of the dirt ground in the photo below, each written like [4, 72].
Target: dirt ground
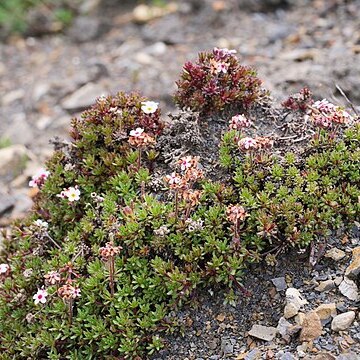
[46, 80]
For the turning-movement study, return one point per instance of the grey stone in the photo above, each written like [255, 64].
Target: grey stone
[7, 202]
[287, 356]
[83, 97]
[254, 354]
[85, 28]
[279, 283]
[343, 321]
[20, 132]
[266, 333]
[12, 161]
[348, 356]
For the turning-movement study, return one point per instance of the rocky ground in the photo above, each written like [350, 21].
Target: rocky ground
[112, 46]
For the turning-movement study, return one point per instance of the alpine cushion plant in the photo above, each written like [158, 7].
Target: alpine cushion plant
[215, 81]
[115, 244]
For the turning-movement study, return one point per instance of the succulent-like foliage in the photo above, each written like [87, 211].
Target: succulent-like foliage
[113, 247]
[215, 81]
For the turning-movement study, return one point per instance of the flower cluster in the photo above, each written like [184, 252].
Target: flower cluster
[69, 291]
[41, 224]
[4, 269]
[190, 174]
[71, 194]
[258, 143]
[38, 180]
[182, 184]
[52, 278]
[325, 114]
[239, 122]
[162, 231]
[234, 213]
[194, 225]
[216, 80]
[109, 250]
[140, 139]
[300, 101]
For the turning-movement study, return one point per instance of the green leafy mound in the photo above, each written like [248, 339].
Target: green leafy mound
[106, 256]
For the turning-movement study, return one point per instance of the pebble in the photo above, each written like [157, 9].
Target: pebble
[326, 311]
[12, 161]
[353, 270]
[294, 302]
[287, 356]
[83, 97]
[349, 289]
[335, 254]
[343, 321]
[266, 333]
[279, 283]
[325, 286]
[253, 355]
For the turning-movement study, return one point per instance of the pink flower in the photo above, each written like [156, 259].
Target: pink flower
[247, 143]
[221, 68]
[223, 53]
[52, 277]
[4, 268]
[238, 122]
[39, 178]
[186, 162]
[40, 296]
[76, 292]
[136, 133]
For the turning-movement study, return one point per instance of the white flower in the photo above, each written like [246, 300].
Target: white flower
[162, 231]
[137, 132]
[247, 143]
[4, 268]
[186, 162]
[173, 179]
[73, 194]
[41, 224]
[76, 292]
[149, 107]
[40, 296]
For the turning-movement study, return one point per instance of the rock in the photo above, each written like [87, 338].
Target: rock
[279, 283]
[266, 333]
[227, 347]
[349, 289]
[353, 270]
[83, 97]
[324, 356]
[85, 28]
[88, 6]
[335, 254]
[7, 202]
[294, 301]
[348, 356]
[20, 132]
[254, 354]
[287, 356]
[145, 13]
[286, 329]
[311, 327]
[325, 286]
[12, 96]
[299, 318]
[326, 311]
[342, 321]
[12, 161]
